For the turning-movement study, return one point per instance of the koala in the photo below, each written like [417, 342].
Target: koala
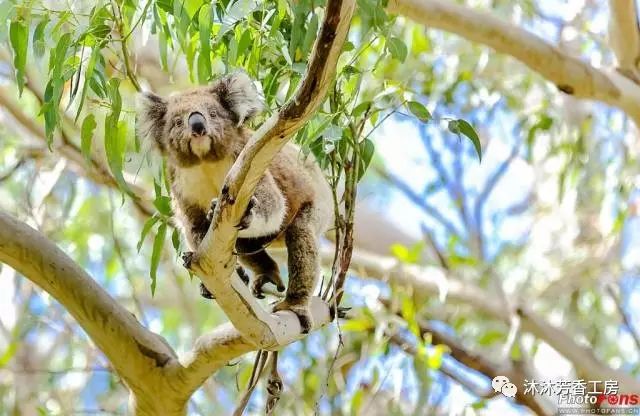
[200, 133]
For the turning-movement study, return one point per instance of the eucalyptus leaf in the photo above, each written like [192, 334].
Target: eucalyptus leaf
[419, 110]
[19, 39]
[397, 48]
[156, 255]
[467, 129]
[86, 135]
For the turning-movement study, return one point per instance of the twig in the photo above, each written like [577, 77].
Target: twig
[413, 196]
[9, 173]
[623, 314]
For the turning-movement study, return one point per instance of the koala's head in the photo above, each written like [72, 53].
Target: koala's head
[205, 123]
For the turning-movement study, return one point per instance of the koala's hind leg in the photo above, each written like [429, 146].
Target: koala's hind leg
[304, 267]
[265, 269]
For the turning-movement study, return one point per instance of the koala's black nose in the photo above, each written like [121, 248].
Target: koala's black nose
[197, 124]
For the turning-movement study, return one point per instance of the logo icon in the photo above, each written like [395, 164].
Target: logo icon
[501, 384]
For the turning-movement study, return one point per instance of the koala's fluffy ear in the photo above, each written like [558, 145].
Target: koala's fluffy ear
[150, 112]
[239, 95]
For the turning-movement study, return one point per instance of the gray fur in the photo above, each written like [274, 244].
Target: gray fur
[292, 201]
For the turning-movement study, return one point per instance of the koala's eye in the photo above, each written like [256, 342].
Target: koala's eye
[213, 113]
[177, 122]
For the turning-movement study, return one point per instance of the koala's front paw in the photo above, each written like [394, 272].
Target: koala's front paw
[187, 259]
[301, 309]
[262, 279]
[245, 222]
[212, 208]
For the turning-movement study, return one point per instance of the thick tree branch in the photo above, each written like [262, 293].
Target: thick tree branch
[624, 35]
[223, 344]
[570, 74]
[214, 262]
[137, 354]
[432, 281]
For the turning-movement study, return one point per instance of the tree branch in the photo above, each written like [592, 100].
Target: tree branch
[570, 74]
[624, 35]
[214, 259]
[432, 281]
[137, 354]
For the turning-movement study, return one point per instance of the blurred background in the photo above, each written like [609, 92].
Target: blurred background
[523, 264]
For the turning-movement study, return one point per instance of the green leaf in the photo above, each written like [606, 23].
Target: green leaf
[434, 360]
[204, 58]
[56, 60]
[467, 129]
[244, 44]
[163, 205]
[55, 86]
[361, 108]
[8, 354]
[397, 48]
[453, 126]
[356, 402]
[480, 404]
[408, 254]
[310, 35]
[358, 325]
[419, 110]
[19, 39]
[175, 240]
[88, 75]
[490, 337]
[408, 311]
[86, 135]
[239, 10]
[38, 38]
[367, 149]
[115, 135]
[145, 230]
[158, 245]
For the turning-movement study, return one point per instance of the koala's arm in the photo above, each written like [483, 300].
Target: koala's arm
[268, 211]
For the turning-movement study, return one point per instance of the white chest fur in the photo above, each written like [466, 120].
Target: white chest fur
[201, 183]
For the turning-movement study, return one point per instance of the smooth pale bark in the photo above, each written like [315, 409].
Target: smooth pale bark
[137, 354]
[569, 73]
[624, 34]
[158, 381]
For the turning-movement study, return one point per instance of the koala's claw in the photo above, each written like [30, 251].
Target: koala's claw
[245, 222]
[243, 274]
[212, 209]
[262, 279]
[274, 390]
[187, 259]
[274, 385]
[301, 309]
[342, 312]
[204, 292]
